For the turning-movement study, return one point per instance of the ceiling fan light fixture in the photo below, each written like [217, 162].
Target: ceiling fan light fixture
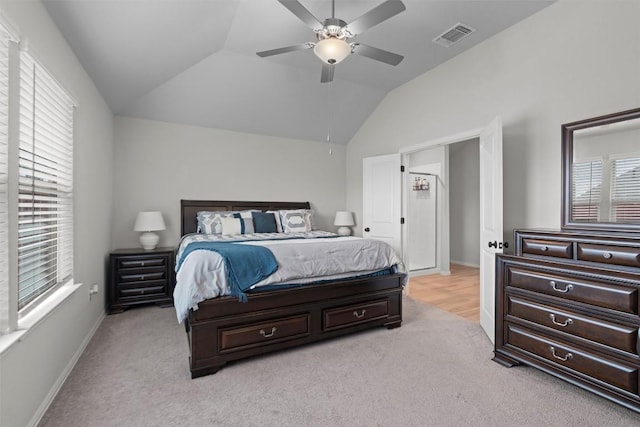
[332, 50]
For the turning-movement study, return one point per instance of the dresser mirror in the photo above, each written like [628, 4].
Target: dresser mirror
[601, 173]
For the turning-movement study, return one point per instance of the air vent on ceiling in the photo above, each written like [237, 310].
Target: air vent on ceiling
[453, 35]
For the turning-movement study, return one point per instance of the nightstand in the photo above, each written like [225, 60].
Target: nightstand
[137, 276]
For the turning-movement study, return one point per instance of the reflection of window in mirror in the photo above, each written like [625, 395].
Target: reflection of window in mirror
[605, 185]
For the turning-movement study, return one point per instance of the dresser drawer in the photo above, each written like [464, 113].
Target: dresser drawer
[263, 333]
[141, 276]
[609, 254]
[601, 294]
[552, 248]
[345, 316]
[624, 338]
[571, 358]
[141, 262]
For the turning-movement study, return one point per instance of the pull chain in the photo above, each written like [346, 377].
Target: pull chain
[329, 117]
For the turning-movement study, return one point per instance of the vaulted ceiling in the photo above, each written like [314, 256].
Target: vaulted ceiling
[194, 61]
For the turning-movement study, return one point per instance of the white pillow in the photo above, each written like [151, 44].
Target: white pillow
[231, 225]
[295, 220]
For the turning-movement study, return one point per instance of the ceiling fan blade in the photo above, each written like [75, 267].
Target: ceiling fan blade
[376, 15]
[327, 73]
[377, 54]
[302, 13]
[301, 46]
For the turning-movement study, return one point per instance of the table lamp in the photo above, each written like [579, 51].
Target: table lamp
[148, 222]
[344, 220]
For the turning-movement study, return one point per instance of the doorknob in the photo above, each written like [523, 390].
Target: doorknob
[367, 230]
[498, 245]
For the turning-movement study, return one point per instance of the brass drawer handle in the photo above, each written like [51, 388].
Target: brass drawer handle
[361, 315]
[607, 255]
[567, 322]
[565, 290]
[564, 359]
[269, 334]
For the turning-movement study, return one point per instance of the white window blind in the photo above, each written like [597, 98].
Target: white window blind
[45, 183]
[586, 190]
[4, 143]
[625, 189]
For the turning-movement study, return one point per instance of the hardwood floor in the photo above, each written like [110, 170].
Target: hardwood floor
[458, 293]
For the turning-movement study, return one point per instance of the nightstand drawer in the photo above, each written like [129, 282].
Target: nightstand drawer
[618, 336]
[126, 292]
[140, 262]
[263, 333]
[141, 276]
[357, 313]
[593, 292]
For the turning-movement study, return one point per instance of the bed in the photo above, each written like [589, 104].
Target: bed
[272, 318]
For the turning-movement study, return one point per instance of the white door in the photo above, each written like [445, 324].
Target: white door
[382, 206]
[490, 220]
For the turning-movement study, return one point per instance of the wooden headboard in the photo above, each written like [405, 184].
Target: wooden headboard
[190, 208]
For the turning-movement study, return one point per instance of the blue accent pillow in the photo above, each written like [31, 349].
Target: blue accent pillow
[264, 222]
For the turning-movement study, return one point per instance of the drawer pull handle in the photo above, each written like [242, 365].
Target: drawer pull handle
[141, 277]
[268, 335]
[567, 356]
[565, 290]
[607, 255]
[567, 322]
[361, 315]
[544, 248]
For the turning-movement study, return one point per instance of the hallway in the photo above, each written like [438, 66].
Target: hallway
[458, 293]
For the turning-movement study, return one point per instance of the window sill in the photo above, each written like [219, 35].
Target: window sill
[37, 315]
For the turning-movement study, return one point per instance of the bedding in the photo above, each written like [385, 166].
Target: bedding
[203, 271]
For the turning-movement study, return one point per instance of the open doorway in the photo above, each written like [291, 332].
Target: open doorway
[453, 287]
[490, 212]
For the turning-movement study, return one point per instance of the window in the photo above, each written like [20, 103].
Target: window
[45, 183]
[585, 191]
[4, 205]
[625, 190]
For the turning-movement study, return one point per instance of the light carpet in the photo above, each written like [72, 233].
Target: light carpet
[435, 370]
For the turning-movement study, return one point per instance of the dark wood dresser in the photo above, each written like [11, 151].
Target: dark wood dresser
[567, 304]
[138, 276]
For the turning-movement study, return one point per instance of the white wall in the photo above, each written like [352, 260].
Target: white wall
[32, 369]
[464, 202]
[159, 163]
[572, 60]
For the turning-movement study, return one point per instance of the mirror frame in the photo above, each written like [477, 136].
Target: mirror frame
[567, 162]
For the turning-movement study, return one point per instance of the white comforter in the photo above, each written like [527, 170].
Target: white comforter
[202, 274]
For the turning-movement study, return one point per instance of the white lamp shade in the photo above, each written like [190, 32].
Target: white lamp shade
[332, 50]
[149, 221]
[343, 219]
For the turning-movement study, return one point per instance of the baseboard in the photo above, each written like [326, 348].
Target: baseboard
[37, 417]
[466, 264]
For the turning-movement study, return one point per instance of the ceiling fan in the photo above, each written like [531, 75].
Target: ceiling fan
[332, 35]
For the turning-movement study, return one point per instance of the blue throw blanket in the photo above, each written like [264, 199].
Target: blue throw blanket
[246, 265]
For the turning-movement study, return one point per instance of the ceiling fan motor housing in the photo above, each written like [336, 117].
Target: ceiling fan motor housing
[333, 27]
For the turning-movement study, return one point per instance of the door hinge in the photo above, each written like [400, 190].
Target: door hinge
[401, 168]
[402, 220]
